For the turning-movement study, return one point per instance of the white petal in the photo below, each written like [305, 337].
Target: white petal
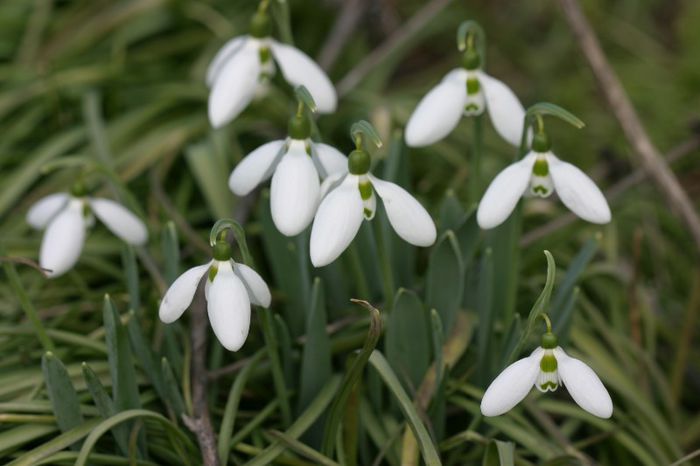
[438, 112]
[63, 240]
[235, 85]
[45, 209]
[258, 292]
[408, 217]
[255, 168]
[511, 385]
[222, 57]
[298, 69]
[584, 385]
[180, 294]
[506, 111]
[578, 192]
[229, 308]
[336, 223]
[330, 158]
[120, 221]
[503, 193]
[295, 192]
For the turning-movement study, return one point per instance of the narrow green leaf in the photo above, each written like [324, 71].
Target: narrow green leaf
[131, 271]
[445, 279]
[425, 443]
[268, 329]
[173, 396]
[316, 353]
[121, 366]
[407, 339]
[147, 357]
[211, 169]
[503, 241]
[105, 406]
[171, 252]
[351, 377]
[484, 304]
[499, 453]
[303, 449]
[285, 344]
[64, 399]
[56, 444]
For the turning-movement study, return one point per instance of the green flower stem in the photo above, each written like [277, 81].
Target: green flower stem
[356, 268]
[476, 150]
[384, 263]
[275, 365]
[25, 302]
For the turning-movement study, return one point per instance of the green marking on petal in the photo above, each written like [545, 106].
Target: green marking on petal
[541, 167]
[365, 190]
[549, 386]
[471, 108]
[539, 189]
[473, 86]
[213, 270]
[548, 363]
[367, 212]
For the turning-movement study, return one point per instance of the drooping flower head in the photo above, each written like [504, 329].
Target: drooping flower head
[230, 289]
[348, 198]
[466, 91]
[296, 165]
[547, 368]
[539, 174]
[65, 217]
[243, 67]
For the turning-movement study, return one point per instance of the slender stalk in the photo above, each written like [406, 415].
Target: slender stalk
[356, 267]
[275, 365]
[475, 166]
[25, 302]
[384, 262]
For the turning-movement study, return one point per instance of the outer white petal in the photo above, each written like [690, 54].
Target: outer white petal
[295, 191]
[330, 183]
[408, 217]
[511, 385]
[224, 54]
[180, 294]
[336, 223]
[584, 385]
[45, 209]
[438, 112]
[63, 240]
[255, 168]
[299, 69]
[235, 85]
[229, 308]
[506, 111]
[578, 192]
[120, 220]
[503, 193]
[330, 158]
[258, 292]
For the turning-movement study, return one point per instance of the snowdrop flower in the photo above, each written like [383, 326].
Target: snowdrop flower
[547, 368]
[66, 218]
[295, 165]
[465, 91]
[230, 289]
[244, 65]
[350, 198]
[540, 173]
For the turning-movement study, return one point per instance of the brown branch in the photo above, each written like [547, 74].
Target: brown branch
[612, 194]
[200, 422]
[396, 40]
[651, 160]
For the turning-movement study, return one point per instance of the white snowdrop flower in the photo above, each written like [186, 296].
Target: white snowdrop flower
[547, 368]
[466, 91]
[242, 68]
[351, 198]
[540, 173]
[296, 166]
[230, 290]
[65, 219]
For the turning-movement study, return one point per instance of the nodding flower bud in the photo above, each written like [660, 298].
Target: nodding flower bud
[471, 59]
[299, 127]
[549, 341]
[222, 250]
[260, 25]
[78, 189]
[358, 162]
[540, 142]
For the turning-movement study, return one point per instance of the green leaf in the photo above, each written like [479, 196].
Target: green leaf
[499, 453]
[425, 443]
[171, 252]
[407, 339]
[131, 270]
[173, 396]
[484, 304]
[316, 353]
[445, 279]
[147, 358]
[56, 444]
[105, 406]
[121, 365]
[210, 167]
[503, 241]
[64, 399]
[351, 377]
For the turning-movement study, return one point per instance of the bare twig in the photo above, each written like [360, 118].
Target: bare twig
[611, 194]
[651, 160]
[396, 40]
[345, 23]
[200, 422]
[28, 262]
